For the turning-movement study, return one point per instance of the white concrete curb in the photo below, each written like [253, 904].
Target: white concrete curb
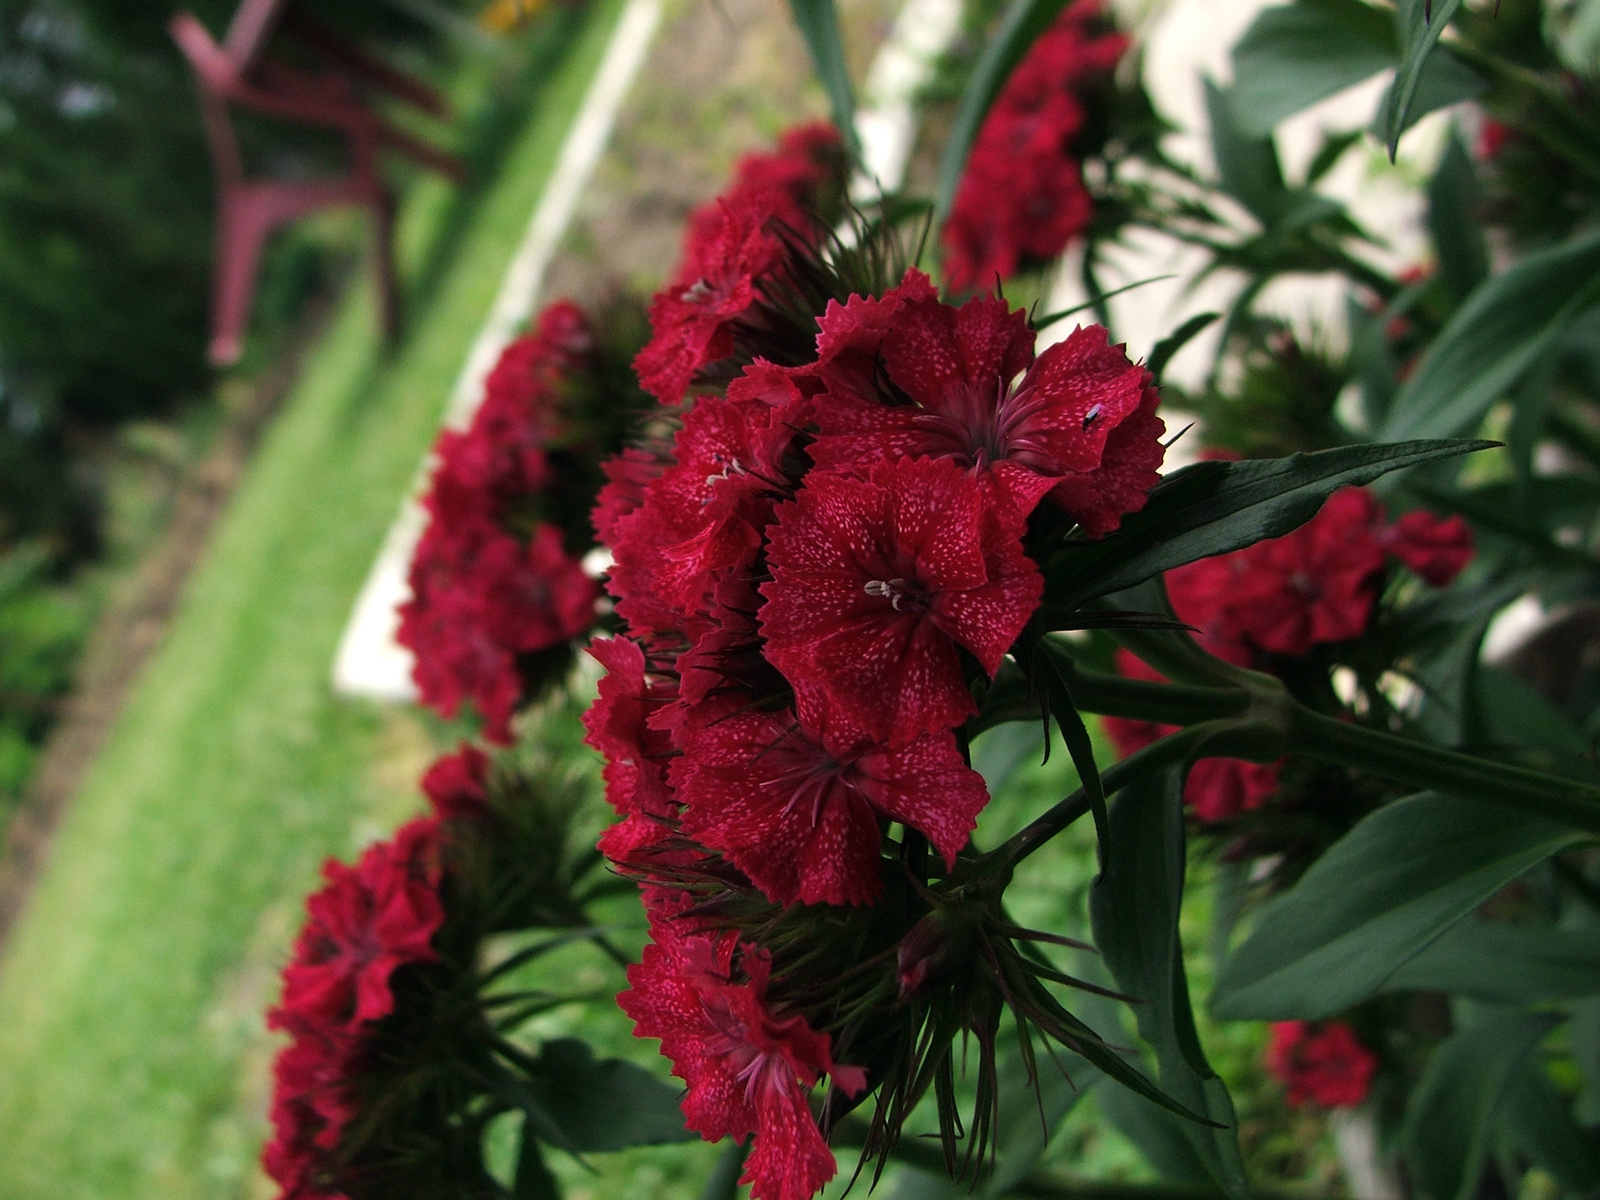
[369, 661]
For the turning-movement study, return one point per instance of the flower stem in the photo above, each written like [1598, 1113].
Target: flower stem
[1419, 765]
[1167, 752]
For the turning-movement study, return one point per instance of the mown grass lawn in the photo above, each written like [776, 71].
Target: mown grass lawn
[132, 1061]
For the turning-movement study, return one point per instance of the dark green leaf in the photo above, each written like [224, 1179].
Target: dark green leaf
[818, 21]
[1134, 907]
[533, 1181]
[1053, 677]
[1247, 164]
[1161, 1136]
[1296, 54]
[1331, 151]
[1505, 964]
[724, 1181]
[1506, 325]
[1216, 507]
[1021, 26]
[1451, 1115]
[1419, 30]
[1536, 1122]
[1378, 898]
[1454, 222]
[1445, 80]
[1180, 337]
[604, 1104]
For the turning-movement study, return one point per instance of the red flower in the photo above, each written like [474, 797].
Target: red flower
[691, 319]
[878, 583]
[1035, 426]
[480, 598]
[1435, 549]
[1323, 1063]
[1022, 195]
[1285, 595]
[368, 921]
[457, 784]
[798, 809]
[749, 1069]
[1220, 788]
[618, 725]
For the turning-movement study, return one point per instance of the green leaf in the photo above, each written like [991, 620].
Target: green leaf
[1021, 26]
[1505, 964]
[1506, 325]
[1445, 80]
[1535, 1121]
[818, 21]
[533, 1180]
[1296, 54]
[1054, 664]
[1419, 32]
[604, 1104]
[1134, 907]
[1180, 337]
[1216, 507]
[1450, 1117]
[1247, 164]
[1374, 901]
[723, 1183]
[1454, 223]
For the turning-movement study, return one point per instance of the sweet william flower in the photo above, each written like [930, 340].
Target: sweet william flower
[1323, 1063]
[458, 784]
[797, 808]
[366, 922]
[877, 586]
[749, 1069]
[1033, 427]
[1436, 549]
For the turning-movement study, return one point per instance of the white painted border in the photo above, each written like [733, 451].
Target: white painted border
[369, 661]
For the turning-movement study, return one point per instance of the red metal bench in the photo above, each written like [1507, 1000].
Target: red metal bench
[241, 72]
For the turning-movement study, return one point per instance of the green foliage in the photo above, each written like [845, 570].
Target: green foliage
[1374, 901]
[1135, 906]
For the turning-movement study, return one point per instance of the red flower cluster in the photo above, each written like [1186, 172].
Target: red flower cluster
[748, 1068]
[490, 582]
[812, 579]
[1022, 196]
[1314, 586]
[1323, 1063]
[734, 244]
[366, 923]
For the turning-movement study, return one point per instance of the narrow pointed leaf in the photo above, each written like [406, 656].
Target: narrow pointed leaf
[1420, 24]
[1506, 964]
[1180, 337]
[1507, 324]
[818, 21]
[1376, 900]
[1216, 507]
[1076, 735]
[604, 1104]
[1134, 906]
